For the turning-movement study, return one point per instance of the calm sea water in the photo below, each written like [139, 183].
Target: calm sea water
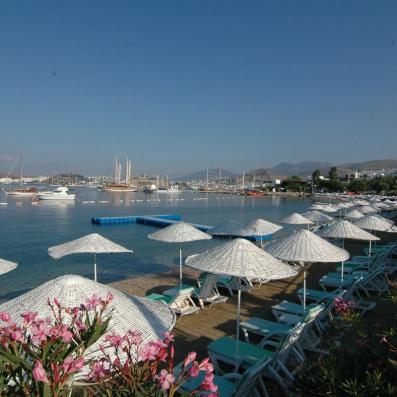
[27, 231]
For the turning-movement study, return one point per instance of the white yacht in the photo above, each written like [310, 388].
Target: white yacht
[60, 193]
[172, 189]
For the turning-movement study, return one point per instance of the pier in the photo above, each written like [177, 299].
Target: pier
[164, 221]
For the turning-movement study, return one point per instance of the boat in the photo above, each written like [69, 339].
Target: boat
[171, 189]
[150, 189]
[21, 191]
[117, 187]
[60, 193]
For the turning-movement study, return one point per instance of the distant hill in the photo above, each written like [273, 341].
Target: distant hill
[304, 168]
[376, 165]
[212, 174]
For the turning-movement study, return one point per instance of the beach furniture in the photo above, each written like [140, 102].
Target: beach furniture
[230, 351]
[233, 384]
[370, 282]
[181, 303]
[207, 292]
[351, 293]
[277, 330]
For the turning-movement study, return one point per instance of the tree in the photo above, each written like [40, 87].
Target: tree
[358, 185]
[333, 174]
[316, 177]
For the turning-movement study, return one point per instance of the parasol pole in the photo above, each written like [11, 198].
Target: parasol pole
[238, 323]
[95, 267]
[180, 268]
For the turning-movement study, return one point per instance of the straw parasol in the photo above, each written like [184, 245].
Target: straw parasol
[375, 223]
[367, 209]
[346, 230]
[305, 247]
[317, 207]
[259, 228]
[240, 258]
[329, 208]
[91, 244]
[354, 214]
[317, 216]
[179, 232]
[128, 312]
[297, 219]
[7, 266]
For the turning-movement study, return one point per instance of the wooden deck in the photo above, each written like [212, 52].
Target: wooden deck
[194, 332]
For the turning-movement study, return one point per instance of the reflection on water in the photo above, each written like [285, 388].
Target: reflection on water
[29, 228]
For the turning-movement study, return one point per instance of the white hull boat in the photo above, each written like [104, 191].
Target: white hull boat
[60, 193]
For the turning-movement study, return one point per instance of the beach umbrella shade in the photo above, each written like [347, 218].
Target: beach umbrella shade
[387, 220]
[228, 228]
[367, 209]
[179, 232]
[7, 266]
[91, 244]
[240, 258]
[259, 228]
[329, 208]
[375, 223]
[354, 214]
[297, 219]
[317, 207]
[129, 312]
[346, 230]
[317, 216]
[306, 247]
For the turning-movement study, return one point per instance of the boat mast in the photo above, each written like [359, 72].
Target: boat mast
[207, 178]
[220, 175]
[20, 159]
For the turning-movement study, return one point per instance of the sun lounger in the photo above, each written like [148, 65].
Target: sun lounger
[181, 303]
[224, 350]
[232, 384]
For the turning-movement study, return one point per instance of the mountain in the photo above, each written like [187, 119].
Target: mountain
[374, 165]
[213, 173]
[304, 168]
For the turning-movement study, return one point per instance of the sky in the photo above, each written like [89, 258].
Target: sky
[179, 86]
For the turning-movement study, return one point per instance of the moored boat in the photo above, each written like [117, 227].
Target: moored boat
[60, 193]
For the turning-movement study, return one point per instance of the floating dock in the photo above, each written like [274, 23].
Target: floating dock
[164, 221]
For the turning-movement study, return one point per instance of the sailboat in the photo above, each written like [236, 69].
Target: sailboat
[118, 185]
[21, 191]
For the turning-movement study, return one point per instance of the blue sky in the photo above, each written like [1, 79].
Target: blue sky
[182, 85]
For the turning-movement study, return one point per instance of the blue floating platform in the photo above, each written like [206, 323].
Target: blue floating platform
[163, 221]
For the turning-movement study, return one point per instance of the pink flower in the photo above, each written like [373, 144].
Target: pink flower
[65, 334]
[71, 365]
[194, 370]
[151, 351]
[97, 372]
[165, 379]
[189, 358]
[39, 373]
[205, 365]
[115, 340]
[136, 337]
[168, 337]
[5, 317]
[40, 331]
[17, 335]
[208, 384]
[80, 326]
[29, 317]
[93, 302]
[109, 297]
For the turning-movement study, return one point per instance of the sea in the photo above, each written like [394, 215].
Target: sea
[28, 229]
